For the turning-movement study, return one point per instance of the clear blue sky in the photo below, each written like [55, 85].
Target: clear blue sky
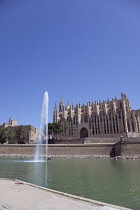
[77, 49]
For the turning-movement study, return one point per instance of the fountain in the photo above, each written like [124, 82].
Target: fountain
[43, 131]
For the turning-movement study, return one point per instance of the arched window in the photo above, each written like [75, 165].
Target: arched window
[109, 116]
[128, 126]
[83, 133]
[111, 128]
[133, 127]
[85, 119]
[119, 115]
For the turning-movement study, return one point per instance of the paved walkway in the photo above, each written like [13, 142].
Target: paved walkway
[18, 195]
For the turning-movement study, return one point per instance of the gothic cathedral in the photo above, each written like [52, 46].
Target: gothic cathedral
[98, 119]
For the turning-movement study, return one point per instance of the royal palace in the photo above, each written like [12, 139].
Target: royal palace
[111, 118]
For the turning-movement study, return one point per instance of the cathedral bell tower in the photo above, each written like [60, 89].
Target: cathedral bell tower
[61, 105]
[55, 114]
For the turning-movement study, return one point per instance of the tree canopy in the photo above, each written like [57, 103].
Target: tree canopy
[5, 135]
[54, 128]
[19, 134]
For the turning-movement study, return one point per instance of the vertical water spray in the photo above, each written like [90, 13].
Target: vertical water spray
[43, 130]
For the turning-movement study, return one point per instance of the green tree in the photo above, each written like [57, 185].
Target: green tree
[29, 128]
[55, 129]
[5, 135]
[19, 134]
[50, 128]
[10, 134]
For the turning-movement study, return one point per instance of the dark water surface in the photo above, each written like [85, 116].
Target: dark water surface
[112, 181]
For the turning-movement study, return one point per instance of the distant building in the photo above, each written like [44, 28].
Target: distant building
[10, 124]
[104, 119]
[28, 133]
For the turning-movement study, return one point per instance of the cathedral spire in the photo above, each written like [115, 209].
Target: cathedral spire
[61, 105]
[61, 100]
[55, 107]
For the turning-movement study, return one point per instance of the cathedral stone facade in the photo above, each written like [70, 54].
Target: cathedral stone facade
[98, 119]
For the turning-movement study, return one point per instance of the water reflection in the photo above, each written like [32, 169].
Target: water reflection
[111, 181]
[25, 170]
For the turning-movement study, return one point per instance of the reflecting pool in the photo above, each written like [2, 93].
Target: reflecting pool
[112, 181]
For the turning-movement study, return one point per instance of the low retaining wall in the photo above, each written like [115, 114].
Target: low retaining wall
[57, 149]
[108, 149]
[129, 148]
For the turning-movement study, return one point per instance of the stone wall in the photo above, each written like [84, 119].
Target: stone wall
[110, 149]
[61, 149]
[129, 148]
[101, 140]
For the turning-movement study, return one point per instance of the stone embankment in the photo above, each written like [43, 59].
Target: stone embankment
[128, 150]
[126, 157]
[22, 156]
[19, 195]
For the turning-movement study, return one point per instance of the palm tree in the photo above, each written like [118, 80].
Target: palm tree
[30, 129]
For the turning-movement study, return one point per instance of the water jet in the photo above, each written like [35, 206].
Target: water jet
[43, 131]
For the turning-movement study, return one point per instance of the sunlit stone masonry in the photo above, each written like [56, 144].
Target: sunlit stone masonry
[104, 119]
